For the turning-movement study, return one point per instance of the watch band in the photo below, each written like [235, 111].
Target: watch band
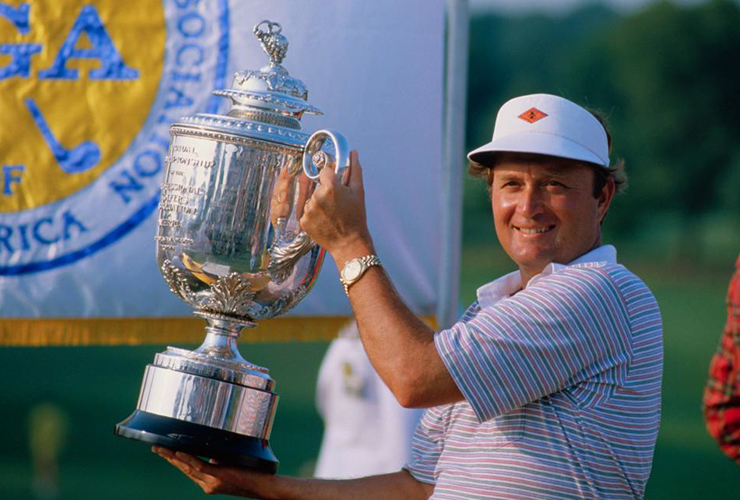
[365, 263]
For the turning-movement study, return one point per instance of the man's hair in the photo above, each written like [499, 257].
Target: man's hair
[484, 169]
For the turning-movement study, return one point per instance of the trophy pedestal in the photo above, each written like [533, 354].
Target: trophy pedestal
[229, 447]
[209, 402]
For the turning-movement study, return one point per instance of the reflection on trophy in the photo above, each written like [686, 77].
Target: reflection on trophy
[229, 244]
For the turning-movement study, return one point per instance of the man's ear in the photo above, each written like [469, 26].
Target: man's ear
[605, 198]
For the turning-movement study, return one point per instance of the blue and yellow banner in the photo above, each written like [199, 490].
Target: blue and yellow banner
[88, 90]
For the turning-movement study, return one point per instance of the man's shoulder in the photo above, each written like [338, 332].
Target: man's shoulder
[598, 273]
[611, 272]
[598, 278]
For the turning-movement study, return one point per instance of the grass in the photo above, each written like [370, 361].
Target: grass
[97, 387]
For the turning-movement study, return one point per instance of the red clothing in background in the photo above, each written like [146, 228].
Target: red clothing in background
[722, 394]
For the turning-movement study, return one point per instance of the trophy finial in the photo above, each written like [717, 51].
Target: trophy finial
[273, 43]
[270, 87]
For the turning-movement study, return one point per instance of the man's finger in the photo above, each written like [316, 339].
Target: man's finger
[348, 171]
[194, 462]
[327, 175]
[188, 464]
[355, 179]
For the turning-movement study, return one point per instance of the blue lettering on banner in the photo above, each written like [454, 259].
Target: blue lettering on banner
[182, 58]
[146, 164]
[125, 183]
[20, 54]
[176, 98]
[17, 15]
[134, 179]
[112, 65]
[11, 175]
[191, 25]
[44, 231]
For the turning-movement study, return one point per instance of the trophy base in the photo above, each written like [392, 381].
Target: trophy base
[224, 446]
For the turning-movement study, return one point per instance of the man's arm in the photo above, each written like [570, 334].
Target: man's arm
[399, 345]
[239, 481]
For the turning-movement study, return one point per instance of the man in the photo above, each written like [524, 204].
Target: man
[549, 385]
[722, 393]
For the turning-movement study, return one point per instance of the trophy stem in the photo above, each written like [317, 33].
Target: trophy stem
[221, 338]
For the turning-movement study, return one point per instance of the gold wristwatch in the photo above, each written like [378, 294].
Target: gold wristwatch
[355, 268]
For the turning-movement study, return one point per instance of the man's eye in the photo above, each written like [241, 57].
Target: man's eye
[555, 184]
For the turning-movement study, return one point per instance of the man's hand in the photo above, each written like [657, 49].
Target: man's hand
[215, 478]
[335, 215]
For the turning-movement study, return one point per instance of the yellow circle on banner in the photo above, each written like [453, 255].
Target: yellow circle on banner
[77, 82]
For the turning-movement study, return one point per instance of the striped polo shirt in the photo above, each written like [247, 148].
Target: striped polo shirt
[562, 388]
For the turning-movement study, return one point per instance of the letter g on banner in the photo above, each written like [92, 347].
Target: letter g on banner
[88, 89]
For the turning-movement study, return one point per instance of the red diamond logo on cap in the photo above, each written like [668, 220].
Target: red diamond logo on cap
[532, 115]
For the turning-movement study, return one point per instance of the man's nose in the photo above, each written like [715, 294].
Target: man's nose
[530, 201]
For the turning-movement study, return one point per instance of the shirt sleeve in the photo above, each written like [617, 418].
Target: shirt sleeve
[722, 392]
[427, 444]
[561, 330]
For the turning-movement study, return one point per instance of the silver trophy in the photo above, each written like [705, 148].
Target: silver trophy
[229, 244]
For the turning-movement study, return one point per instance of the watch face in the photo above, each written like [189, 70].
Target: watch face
[351, 270]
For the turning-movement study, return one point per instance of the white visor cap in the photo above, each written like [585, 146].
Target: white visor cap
[548, 125]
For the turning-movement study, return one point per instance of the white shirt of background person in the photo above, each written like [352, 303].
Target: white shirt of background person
[366, 431]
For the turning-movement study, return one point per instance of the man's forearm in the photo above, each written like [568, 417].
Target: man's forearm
[399, 485]
[216, 478]
[399, 345]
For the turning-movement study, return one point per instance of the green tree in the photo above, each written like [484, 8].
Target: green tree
[671, 80]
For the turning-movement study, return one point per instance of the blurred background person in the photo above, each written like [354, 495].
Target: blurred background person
[366, 431]
[47, 433]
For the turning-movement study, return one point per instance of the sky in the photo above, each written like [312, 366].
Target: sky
[559, 6]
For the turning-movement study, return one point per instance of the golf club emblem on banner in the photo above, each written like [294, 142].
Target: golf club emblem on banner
[88, 90]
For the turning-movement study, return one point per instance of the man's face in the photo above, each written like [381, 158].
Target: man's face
[544, 211]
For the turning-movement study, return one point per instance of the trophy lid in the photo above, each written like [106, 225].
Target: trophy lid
[266, 104]
[271, 87]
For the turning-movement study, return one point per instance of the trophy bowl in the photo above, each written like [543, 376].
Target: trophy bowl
[229, 244]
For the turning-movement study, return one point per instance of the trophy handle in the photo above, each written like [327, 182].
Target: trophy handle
[284, 255]
[315, 159]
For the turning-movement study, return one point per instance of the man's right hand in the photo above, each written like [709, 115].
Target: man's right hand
[335, 217]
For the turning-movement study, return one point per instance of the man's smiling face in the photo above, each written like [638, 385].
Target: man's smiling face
[544, 210]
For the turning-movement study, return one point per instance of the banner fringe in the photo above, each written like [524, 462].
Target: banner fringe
[136, 331]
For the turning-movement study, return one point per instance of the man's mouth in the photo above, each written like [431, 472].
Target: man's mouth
[534, 230]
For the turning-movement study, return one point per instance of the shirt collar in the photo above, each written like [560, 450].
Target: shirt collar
[507, 285]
